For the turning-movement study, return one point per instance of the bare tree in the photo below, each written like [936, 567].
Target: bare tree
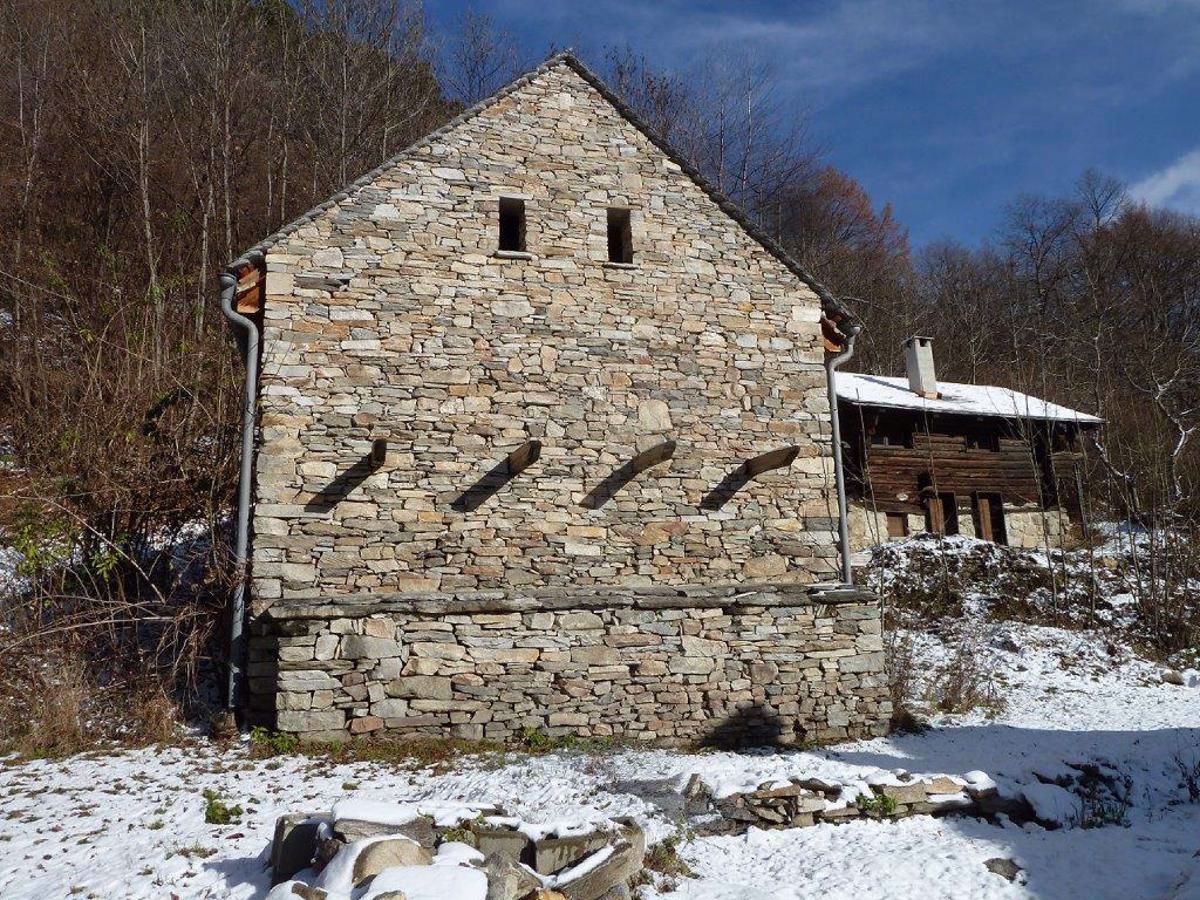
[479, 58]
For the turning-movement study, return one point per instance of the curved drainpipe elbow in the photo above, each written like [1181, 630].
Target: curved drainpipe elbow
[839, 473]
[237, 637]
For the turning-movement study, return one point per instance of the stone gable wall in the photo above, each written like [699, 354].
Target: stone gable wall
[391, 316]
[725, 667]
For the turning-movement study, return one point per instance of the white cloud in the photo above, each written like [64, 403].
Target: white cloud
[1177, 186]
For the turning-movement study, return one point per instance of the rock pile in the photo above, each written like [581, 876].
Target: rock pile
[802, 802]
[381, 851]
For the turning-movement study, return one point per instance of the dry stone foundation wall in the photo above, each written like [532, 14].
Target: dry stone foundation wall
[1025, 526]
[393, 316]
[729, 666]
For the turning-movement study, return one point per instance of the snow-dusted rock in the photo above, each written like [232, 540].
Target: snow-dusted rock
[293, 846]
[1052, 805]
[1005, 868]
[585, 859]
[386, 854]
[429, 883]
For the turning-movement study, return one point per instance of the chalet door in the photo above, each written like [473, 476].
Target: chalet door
[989, 518]
[949, 513]
[942, 514]
[983, 517]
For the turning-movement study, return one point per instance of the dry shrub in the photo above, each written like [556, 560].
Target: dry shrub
[900, 663]
[966, 681]
[154, 717]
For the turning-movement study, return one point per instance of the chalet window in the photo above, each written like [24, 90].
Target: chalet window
[1063, 441]
[984, 441]
[891, 436]
[897, 525]
[620, 236]
[512, 224]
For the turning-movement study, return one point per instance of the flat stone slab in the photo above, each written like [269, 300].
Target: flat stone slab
[547, 599]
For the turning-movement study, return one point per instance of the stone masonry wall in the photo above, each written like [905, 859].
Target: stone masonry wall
[720, 666]
[392, 315]
[1025, 526]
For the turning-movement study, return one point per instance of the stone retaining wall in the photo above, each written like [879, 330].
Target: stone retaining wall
[723, 666]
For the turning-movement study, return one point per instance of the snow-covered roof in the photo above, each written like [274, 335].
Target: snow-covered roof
[961, 399]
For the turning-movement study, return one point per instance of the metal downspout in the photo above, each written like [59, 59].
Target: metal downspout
[839, 475]
[229, 284]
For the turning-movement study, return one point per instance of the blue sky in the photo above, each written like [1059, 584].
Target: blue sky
[948, 109]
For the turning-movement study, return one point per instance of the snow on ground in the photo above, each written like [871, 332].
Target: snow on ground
[131, 824]
[10, 560]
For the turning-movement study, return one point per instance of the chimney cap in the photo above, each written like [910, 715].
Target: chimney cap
[924, 338]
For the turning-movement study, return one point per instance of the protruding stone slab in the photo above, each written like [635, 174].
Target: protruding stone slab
[418, 829]
[621, 863]
[552, 855]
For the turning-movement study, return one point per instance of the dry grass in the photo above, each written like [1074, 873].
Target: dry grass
[965, 682]
[51, 707]
[50, 722]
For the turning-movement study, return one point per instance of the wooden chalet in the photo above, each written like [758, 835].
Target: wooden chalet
[958, 458]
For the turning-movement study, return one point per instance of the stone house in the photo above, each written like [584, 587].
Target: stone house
[949, 458]
[542, 441]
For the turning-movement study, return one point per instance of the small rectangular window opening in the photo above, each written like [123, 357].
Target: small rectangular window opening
[512, 224]
[989, 442]
[891, 436]
[620, 236]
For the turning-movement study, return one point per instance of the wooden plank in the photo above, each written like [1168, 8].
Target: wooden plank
[983, 517]
[523, 457]
[937, 524]
[250, 285]
[652, 457]
[772, 459]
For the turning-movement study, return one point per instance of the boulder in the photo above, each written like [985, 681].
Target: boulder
[552, 855]
[386, 854]
[497, 841]
[1170, 676]
[295, 844]
[1005, 868]
[943, 784]
[508, 880]
[295, 890]
[621, 864]
[903, 793]
[419, 829]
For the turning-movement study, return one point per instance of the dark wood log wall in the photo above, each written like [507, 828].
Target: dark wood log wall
[1026, 463]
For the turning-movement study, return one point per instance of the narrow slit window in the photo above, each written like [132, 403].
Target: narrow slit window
[620, 236]
[512, 224]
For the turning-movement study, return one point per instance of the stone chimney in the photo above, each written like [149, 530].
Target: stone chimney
[918, 359]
